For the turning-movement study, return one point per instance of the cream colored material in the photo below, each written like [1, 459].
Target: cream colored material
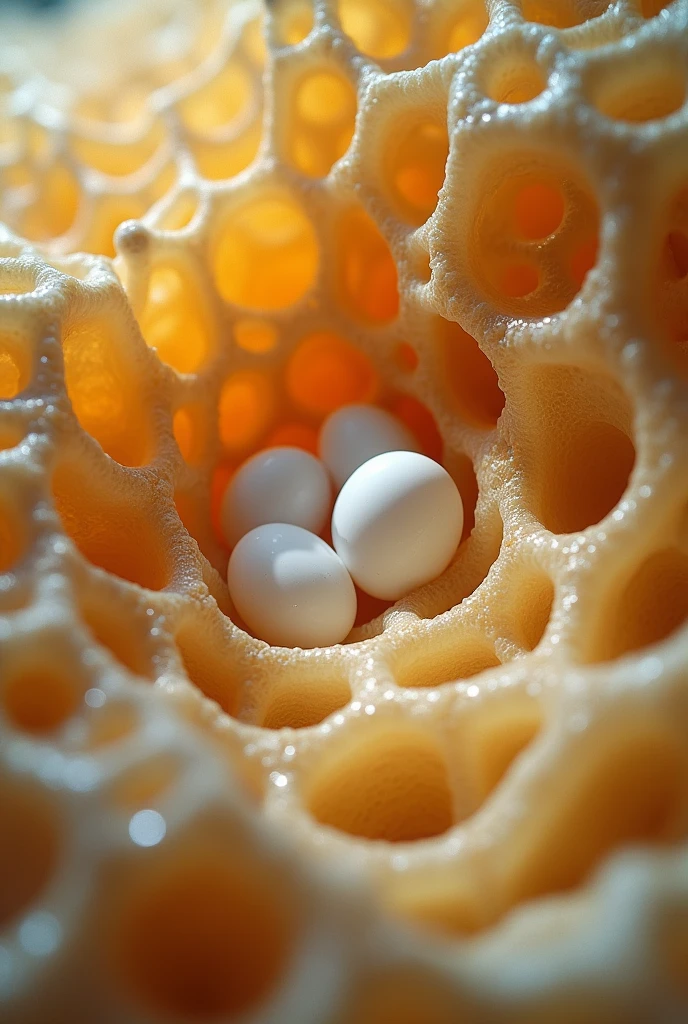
[501, 755]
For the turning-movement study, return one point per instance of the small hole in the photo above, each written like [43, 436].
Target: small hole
[174, 322]
[293, 22]
[40, 701]
[529, 605]
[652, 606]
[190, 432]
[640, 93]
[444, 660]
[29, 848]
[415, 161]
[390, 784]
[469, 375]
[577, 454]
[298, 703]
[322, 123]
[115, 628]
[218, 160]
[110, 724]
[380, 28]
[366, 271]
[583, 259]
[201, 932]
[14, 370]
[406, 357]
[11, 434]
[247, 408]
[326, 372]
[219, 101]
[103, 375]
[519, 280]
[111, 530]
[561, 13]
[538, 210]
[516, 81]
[202, 647]
[420, 422]
[294, 435]
[255, 335]
[266, 256]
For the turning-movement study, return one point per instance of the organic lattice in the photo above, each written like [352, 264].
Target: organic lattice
[471, 812]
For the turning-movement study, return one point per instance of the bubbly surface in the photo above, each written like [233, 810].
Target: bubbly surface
[225, 221]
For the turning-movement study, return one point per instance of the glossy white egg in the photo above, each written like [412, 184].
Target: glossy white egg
[356, 433]
[397, 523]
[278, 485]
[291, 588]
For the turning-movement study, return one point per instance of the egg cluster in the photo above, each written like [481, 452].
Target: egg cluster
[395, 525]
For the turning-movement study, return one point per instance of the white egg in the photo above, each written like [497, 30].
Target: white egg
[278, 485]
[356, 433]
[291, 588]
[397, 523]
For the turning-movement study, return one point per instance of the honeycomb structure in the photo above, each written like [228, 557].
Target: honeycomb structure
[223, 221]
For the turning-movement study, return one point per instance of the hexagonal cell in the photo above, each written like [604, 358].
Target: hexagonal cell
[366, 274]
[379, 28]
[174, 320]
[387, 783]
[468, 375]
[414, 158]
[321, 120]
[325, 372]
[39, 700]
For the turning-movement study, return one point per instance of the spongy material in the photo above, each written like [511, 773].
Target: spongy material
[197, 826]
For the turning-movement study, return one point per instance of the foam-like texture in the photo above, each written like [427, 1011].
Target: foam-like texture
[474, 810]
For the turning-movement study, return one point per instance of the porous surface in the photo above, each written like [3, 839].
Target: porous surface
[475, 809]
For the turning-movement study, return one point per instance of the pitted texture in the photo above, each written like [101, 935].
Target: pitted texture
[196, 826]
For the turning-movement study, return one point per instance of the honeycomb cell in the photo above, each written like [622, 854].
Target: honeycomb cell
[292, 22]
[445, 660]
[297, 704]
[55, 207]
[561, 13]
[530, 606]
[11, 434]
[174, 321]
[144, 784]
[583, 459]
[219, 101]
[534, 235]
[389, 783]
[104, 619]
[294, 435]
[325, 372]
[641, 92]
[30, 846]
[469, 375]
[514, 78]
[106, 391]
[202, 648]
[219, 159]
[463, 24]
[13, 535]
[202, 932]
[110, 724]
[629, 786]
[414, 162]
[246, 409]
[266, 255]
[190, 432]
[112, 532]
[322, 121]
[116, 159]
[366, 274]
[420, 421]
[651, 606]
[39, 700]
[255, 335]
[381, 29]
[15, 368]
[494, 737]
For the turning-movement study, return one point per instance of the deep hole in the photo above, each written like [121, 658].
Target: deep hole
[642, 93]
[390, 784]
[109, 527]
[652, 605]
[39, 701]
[366, 272]
[577, 454]
[201, 932]
[517, 81]
[443, 660]
[298, 703]
[530, 605]
[102, 375]
[322, 122]
[469, 375]
[379, 28]
[414, 167]
[203, 649]
[174, 321]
